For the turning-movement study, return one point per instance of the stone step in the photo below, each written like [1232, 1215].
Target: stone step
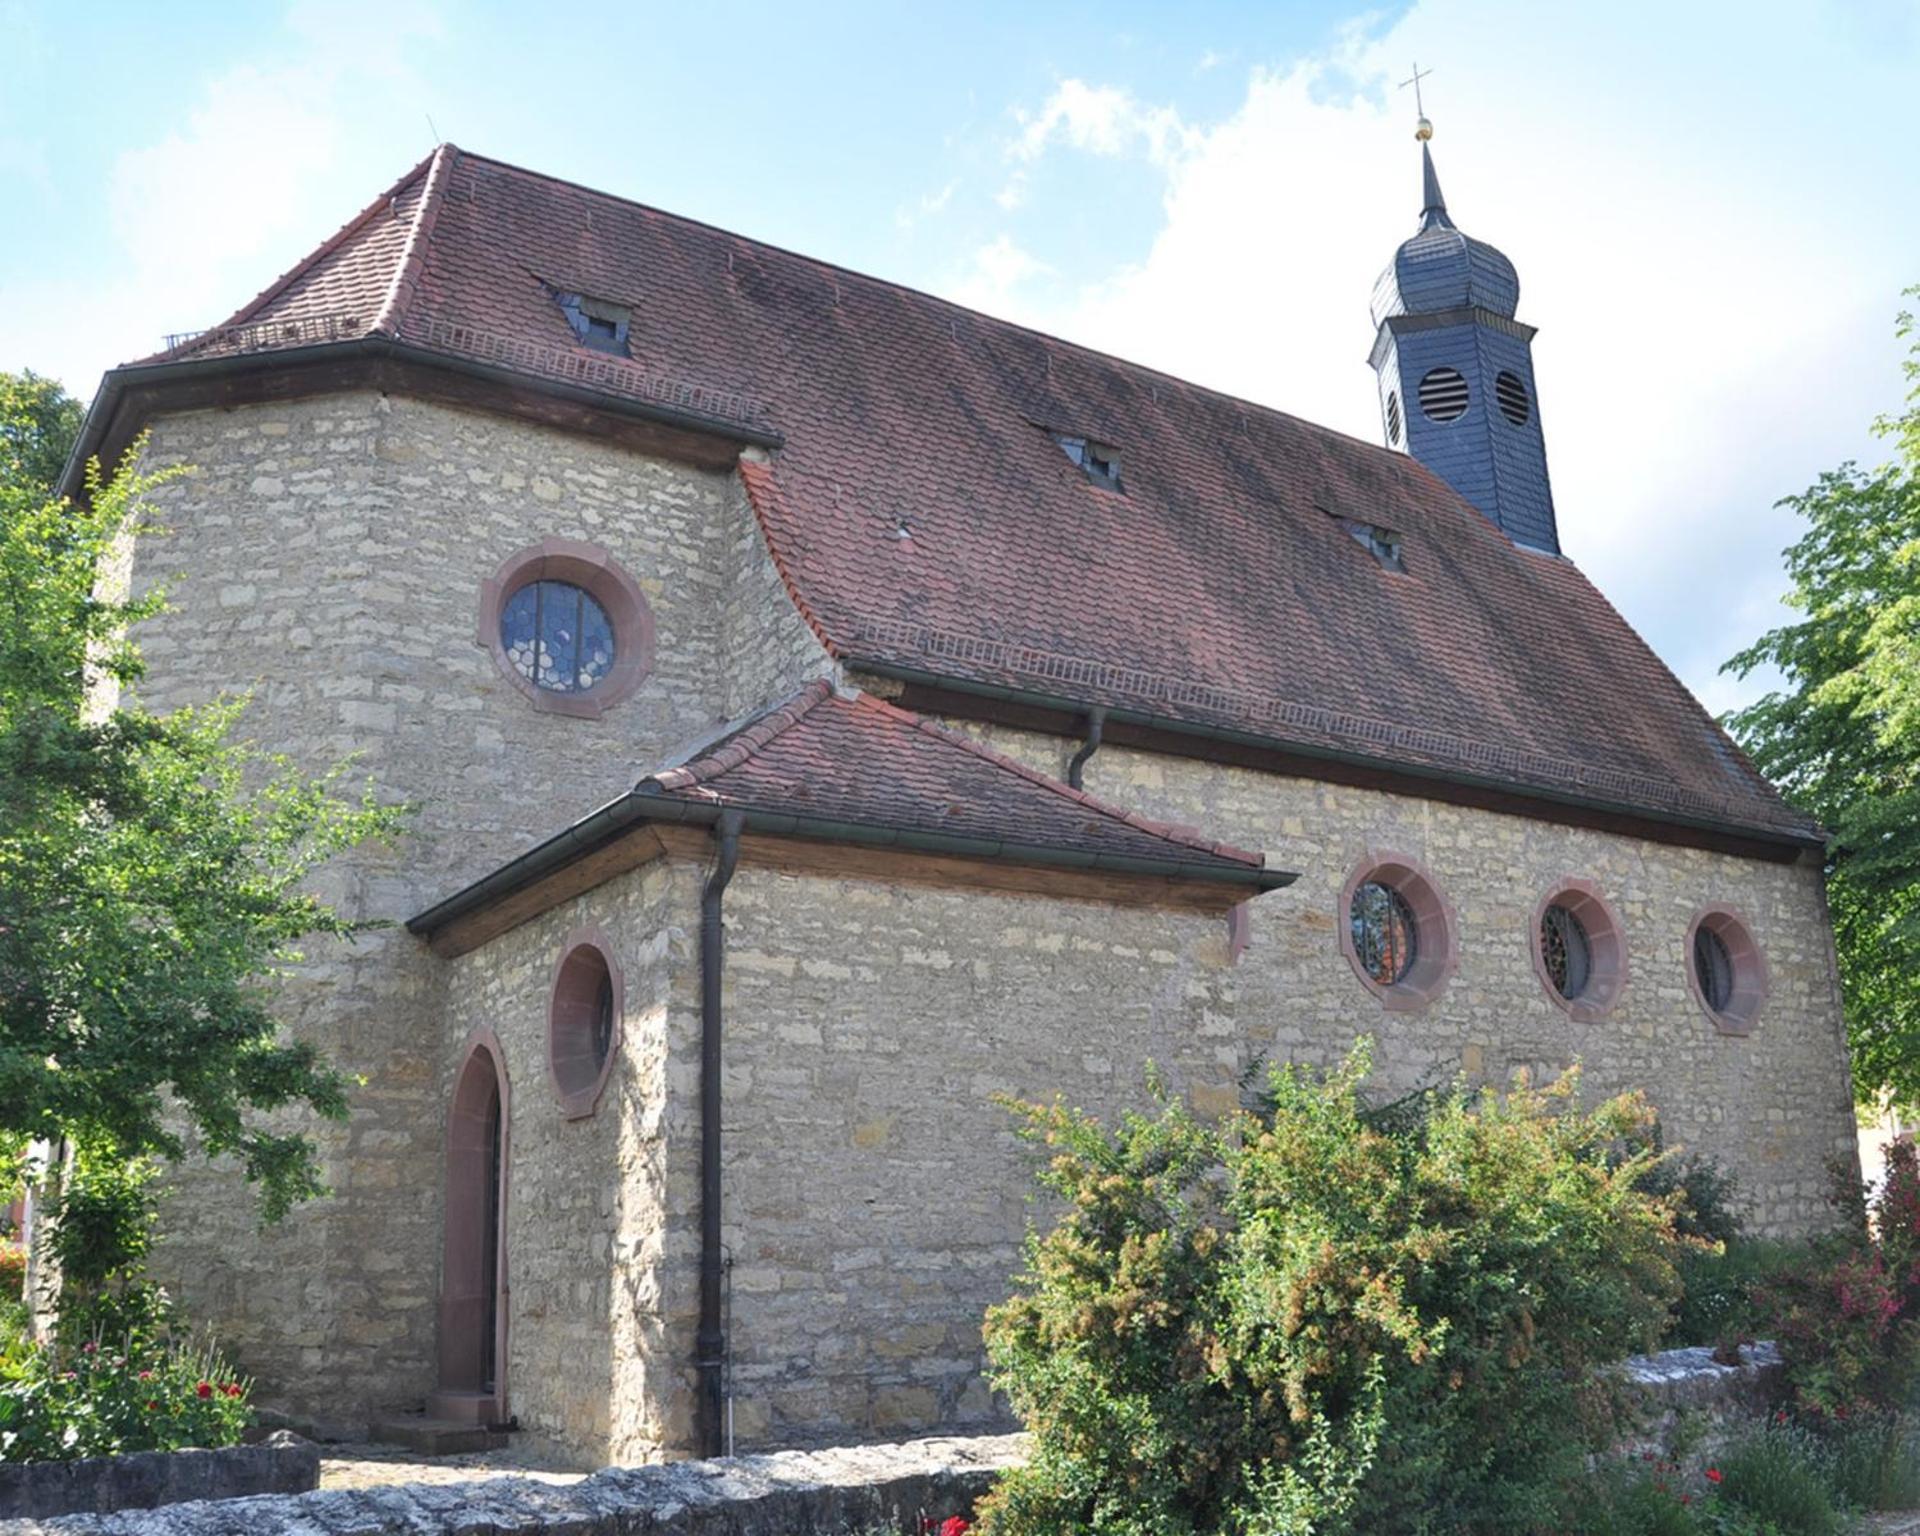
[436, 1437]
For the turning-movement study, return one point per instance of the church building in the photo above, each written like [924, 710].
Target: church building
[828, 710]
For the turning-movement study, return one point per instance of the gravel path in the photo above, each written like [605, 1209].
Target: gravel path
[372, 1466]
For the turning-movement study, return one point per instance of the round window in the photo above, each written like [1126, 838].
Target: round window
[1726, 970]
[1386, 937]
[568, 627]
[557, 636]
[1566, 952]
[583, 1021]
[1579, 949]
[1443, 394]
[1396, 931]
[1393, 419]
[1512, 395]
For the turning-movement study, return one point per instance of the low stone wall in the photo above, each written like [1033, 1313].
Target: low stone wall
[1690, 1403]
[787, 1492]
[281, 1464]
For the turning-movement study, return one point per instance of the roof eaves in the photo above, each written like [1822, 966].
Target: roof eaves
[740, 743]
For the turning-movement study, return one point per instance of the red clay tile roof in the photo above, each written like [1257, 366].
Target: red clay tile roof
[1219, 589]
[864, 762]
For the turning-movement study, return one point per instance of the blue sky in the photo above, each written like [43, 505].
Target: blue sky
[1713, 207]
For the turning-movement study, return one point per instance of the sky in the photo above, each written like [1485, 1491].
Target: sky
[1713, 207]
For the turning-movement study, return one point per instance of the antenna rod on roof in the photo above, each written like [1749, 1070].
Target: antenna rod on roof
[437, 140]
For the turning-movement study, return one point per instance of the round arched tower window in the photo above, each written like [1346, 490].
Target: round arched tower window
[1397, 931]
[1443, 394]
[1512, 395]
[570, 629]
[1726, 971]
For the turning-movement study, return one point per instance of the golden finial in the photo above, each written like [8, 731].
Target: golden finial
[1423, 129]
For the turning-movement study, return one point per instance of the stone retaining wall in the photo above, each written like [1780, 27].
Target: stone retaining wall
[282, 1464]
[1689, 1397]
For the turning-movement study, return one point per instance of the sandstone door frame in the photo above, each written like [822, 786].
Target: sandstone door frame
[472, 1366]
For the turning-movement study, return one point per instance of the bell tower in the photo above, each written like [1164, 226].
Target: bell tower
[1455, 369]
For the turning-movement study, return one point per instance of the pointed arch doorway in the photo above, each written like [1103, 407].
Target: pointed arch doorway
[473, 1269]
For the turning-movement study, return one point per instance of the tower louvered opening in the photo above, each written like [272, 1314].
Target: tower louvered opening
[1512, 395]
[1443, 394]
[1393, 419]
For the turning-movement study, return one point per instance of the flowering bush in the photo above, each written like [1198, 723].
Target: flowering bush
[1315, 1317]
[56, 1405]
[13, 1270]
[1848, 1322]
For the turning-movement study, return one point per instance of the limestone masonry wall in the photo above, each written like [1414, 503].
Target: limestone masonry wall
[327, 555]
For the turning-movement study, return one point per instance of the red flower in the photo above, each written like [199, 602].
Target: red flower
[205, 1389]
[231, 1389]
[152, 1404]
[953, 1525]
[146, 1375]
[1686, 1498]
[1713, 1474]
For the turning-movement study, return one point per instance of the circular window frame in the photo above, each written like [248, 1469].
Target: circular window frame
[1436, 930]
[1606, 948]
[1751, 979]
[599, 575]
[570, 1011]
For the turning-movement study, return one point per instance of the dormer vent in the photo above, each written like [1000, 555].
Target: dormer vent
[595, 322]
[1382, 543]
[1097, 461]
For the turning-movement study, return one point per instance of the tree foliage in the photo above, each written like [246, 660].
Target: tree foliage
[1842, 737]
[153, 873]
[1314, 1318]
[39, 422]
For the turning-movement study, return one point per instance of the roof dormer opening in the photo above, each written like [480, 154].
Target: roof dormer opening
[1384, 544]
[1098, 462]
[595, 322]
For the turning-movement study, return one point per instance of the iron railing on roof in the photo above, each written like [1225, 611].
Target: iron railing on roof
[266, 335]
[1314, 724]
[595, 370]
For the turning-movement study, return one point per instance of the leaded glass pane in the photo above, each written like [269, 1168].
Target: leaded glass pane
[603, 1021]
[1384, 934]
[1568, 954]
[557, 636]
[1712, 967]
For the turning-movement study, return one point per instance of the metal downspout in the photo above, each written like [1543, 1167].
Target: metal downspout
[1096, 722]
[710, 1347]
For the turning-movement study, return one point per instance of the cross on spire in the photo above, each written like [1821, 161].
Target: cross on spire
[1424, 130]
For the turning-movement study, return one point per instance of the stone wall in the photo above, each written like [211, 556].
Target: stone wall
[1773, 1106]
[327, 555]
[143, 1480]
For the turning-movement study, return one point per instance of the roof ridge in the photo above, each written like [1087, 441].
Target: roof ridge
[325, 249]
[413, 256]
[1181, 835]
[759, 482]
[1048, 337]
[737, 748]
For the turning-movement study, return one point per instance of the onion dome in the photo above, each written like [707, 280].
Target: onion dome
[1441, 269]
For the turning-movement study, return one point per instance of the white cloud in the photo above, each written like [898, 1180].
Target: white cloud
[996, 275]
[266, 162]
[1714, 299]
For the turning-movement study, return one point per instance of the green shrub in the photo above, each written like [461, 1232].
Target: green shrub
[13, 1271]
[1310, 1319]
[1874, 1463]
[1718, 1284]
[1779, 1475]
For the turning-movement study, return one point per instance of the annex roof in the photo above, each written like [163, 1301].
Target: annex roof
[928, 523]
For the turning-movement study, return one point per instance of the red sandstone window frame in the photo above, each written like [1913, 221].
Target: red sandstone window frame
[595, 571]
[1606, 948]
[1751, 979]
[1436, 930]
[572, 998]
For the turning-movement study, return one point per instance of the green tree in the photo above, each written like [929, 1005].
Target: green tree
[1842, 737]
[153, 872]
[39, 423]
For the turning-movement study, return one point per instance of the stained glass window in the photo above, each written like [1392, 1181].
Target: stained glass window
[603, 1020]
[1567, 952]
[1712, 968]
[557, 636]
[1384, 934]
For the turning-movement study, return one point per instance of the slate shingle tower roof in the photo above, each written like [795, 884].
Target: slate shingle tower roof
[1439, 268]
[918, 503]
